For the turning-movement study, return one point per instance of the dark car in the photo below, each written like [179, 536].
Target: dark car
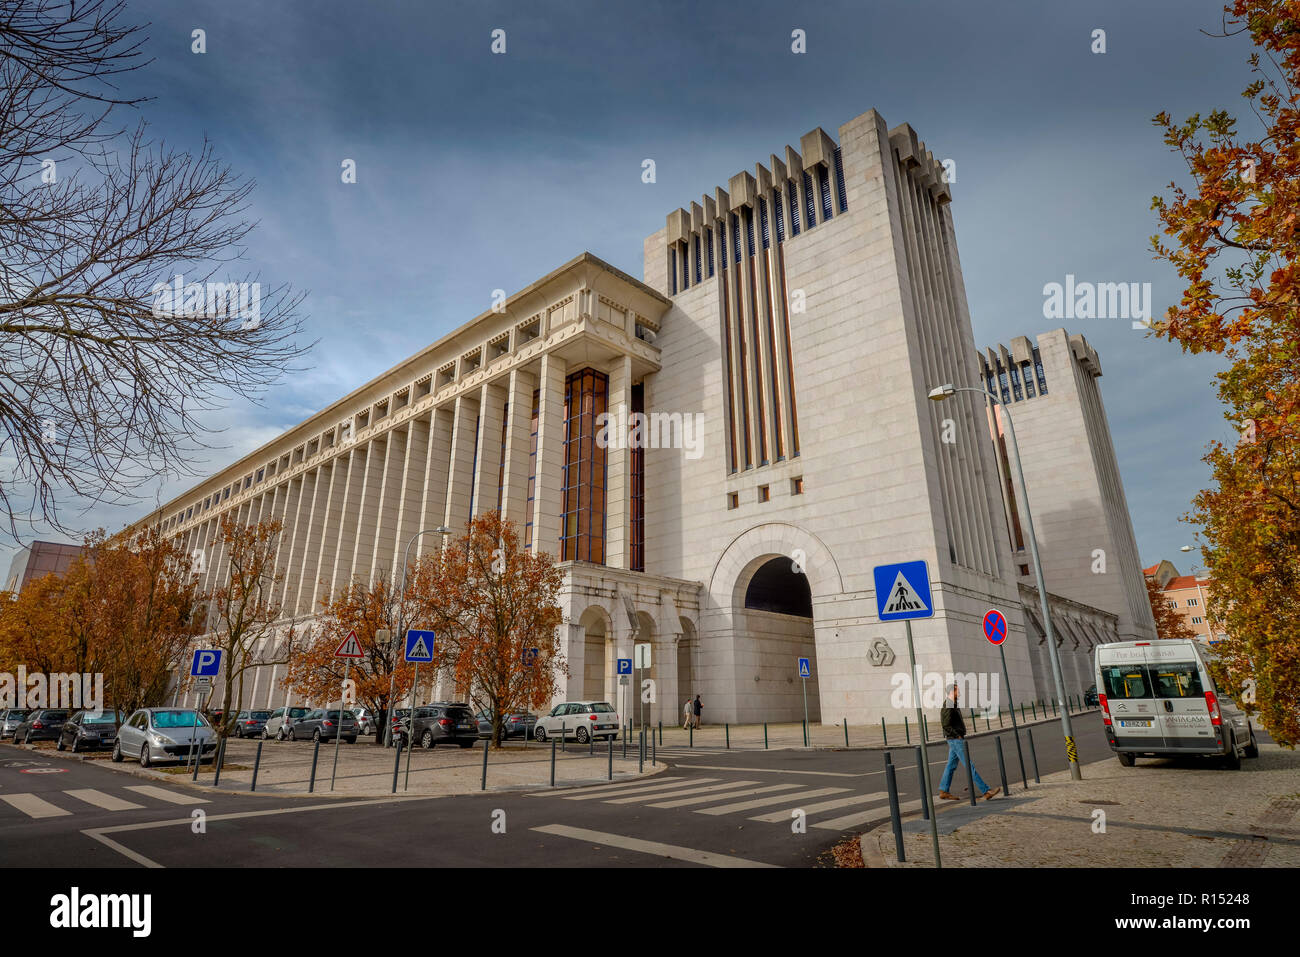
[10, 719]
[515, 724]
[444, 723]
[1090, 699]
[323, 725]
[249, 724]
[87, 730]
[43, 724]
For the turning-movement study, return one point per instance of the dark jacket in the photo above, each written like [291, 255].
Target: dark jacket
[953, 724]
[696, 706]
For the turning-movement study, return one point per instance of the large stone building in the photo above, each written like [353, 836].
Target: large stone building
[785, 337]
[38, 560]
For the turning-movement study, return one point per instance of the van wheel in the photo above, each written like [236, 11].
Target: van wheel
[1126, 759]
[1252, 750]
[1232, 760]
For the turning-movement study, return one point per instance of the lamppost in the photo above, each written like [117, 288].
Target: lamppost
[1071, 750]
[398, 641]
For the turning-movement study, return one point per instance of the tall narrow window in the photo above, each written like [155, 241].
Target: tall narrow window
[722, 244]
[672, 270]
[636, 503]
[780, 219]
[1015, 382]
[696, 244]
[792, 194]
[824, 182]
[684, 253]
[473, 469]
[809, 202]
[842, 193]
[532, 469]
[749, 230]
[762, 222]
[708, 242]
[501, 468]
[1039, 373]
[583, 528]
[735, 237]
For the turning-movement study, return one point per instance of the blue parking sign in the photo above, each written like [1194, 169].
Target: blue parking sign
[625, 666]
[207, 662]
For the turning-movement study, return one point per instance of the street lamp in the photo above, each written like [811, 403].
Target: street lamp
[942, 392]
[401, 605]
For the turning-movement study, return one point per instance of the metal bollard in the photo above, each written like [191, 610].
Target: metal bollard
[1033, 754]
[611, 759]
[654, 760]
[553, 761]
[999, 717]
[1002, 768]
[397, 762]
[483, 784]
[641, 751]
[884, 732]
[805, 732]
[925, 727]
[970, 773]
[1053, 707]
[988, 724]
[257, 763]
[625, 742]
[891, 784]
[907, 732]
[1022, 711]
[220, 760]
[920, 777]
[564, 743]
[1033, 709]
[311, 786]
[727, 728]
[692, 734]
[846, 732]
[661, 732]
[764, 735]
[591, 745]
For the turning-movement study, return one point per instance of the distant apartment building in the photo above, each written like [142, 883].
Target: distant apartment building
[1188, 594]
[38, 560]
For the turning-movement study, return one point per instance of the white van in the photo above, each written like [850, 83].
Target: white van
[1157, 699]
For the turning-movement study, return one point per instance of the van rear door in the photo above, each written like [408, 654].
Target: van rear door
[1127, 685]
[1183, 712]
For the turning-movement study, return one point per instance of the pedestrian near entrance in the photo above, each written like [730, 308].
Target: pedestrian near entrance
[954, 729]
[697, 708]
[688, 714]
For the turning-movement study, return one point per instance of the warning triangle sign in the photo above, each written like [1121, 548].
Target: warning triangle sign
[419, 650]
[351, 648]
[903, 597]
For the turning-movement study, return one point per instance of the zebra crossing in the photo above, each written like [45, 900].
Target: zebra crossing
[65, 803]
[775, 803]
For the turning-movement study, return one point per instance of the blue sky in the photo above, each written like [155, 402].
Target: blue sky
[478, 171]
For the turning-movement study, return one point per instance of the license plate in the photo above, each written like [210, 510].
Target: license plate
[1135, 724]
[464, 727]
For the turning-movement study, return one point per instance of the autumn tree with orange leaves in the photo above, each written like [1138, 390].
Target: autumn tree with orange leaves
[366, 609]
[489, 601]
[1169, 623]
[1235, 241]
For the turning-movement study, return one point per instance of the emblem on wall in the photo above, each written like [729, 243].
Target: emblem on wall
[881, 655]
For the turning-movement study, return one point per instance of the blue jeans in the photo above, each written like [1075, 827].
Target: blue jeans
[957, 753]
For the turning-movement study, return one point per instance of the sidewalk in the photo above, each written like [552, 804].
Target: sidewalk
[1161, 813]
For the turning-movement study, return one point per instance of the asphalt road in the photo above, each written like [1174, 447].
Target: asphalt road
[710, 808]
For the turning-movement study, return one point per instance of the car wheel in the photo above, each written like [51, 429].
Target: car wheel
[582, 735]
[144, 756]
[75, 747]
[27, 739]
[540, 733]
[1252, 750]
[316, 736]
[426, 740]
[1126, 759]
[265, 734]
[58, 745]
[117, 752]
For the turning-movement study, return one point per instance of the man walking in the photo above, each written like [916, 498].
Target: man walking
[697, 710]
[688, 714]
[954, 729]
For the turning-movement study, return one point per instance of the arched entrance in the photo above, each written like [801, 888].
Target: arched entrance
[597, 627]
[687, 650]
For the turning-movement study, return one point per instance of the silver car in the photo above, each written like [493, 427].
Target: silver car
[10, 720]
[163, 734]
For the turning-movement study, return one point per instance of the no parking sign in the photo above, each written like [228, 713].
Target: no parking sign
[995, 626]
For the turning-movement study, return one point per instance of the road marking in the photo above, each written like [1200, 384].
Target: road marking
[779, 816]
[861, 817]
[672, 851]
[682, 802]
[683, 793]
[162, 794]
[826, 774]
[626, 787]
[780, 799]
[99, 833]
[33, 806]
[100, 799]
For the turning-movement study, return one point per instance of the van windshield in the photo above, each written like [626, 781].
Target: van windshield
[1177, 680]
[1126, 681]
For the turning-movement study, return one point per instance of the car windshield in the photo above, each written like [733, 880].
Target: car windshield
[54, 715]
[260, 715]
[15, 714]
[1126, 681]
[177, 719]
[298, 712]
[602, 707]
[104, 718]
[458, 714]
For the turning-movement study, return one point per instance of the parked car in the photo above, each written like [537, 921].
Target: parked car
[366, 719]
[87, 730]
[444, 723]
[43, 724]
[1158, 699]
[582, 720]
[515, 724]
[322, 724]
[164, 734]
[10, 719]
[277, 725]
[249, 724]
[1090, 699]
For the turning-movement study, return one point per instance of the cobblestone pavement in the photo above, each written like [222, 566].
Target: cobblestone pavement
[1161, 813]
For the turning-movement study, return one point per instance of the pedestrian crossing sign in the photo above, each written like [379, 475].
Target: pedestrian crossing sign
[903, 591]
[805, 669]
[419, 646]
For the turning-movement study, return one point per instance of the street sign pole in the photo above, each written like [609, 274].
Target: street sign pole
[338, 730]
[415, 683]
[804, 681]
[925, 757]
[1006, 678]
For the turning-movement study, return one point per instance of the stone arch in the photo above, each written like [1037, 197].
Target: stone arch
[597, 630]
[769, 540]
